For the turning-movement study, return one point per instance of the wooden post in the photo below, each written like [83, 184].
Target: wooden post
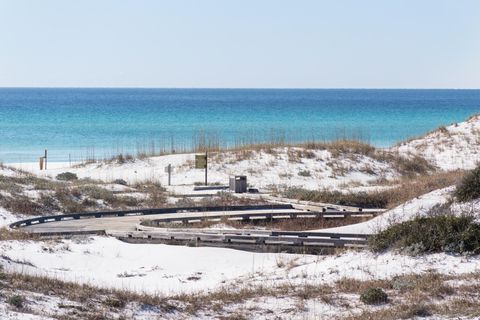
[45, 159]
[206, 167]
[169, 173]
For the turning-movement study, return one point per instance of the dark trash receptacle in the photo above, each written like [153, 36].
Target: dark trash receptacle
[238, 184]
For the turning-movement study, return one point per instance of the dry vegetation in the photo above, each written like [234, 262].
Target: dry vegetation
[27, 194]
[339, 149]
[297, 224]
[343, 148]
[419, 296]
[401, 191]
[8, 234]
[220, 199]
[408, 296]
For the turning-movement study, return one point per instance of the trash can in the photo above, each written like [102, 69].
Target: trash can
[238, 184]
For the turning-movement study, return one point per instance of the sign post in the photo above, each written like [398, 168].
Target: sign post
[168, 169]
[201, 161]
[43, 161]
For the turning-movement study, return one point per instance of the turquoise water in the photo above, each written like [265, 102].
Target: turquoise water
[81, 123]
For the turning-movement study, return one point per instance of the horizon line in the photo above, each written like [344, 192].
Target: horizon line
[238, 88]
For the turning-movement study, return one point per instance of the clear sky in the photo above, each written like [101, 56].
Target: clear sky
[242, 43]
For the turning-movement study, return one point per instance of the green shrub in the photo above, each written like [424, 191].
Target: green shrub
[374, 296]
[120, 181]
[67, 176]
[442, 233]
[469, 187]
[16, 301]
[304, 173]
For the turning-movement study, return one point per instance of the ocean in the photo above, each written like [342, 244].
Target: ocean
[79, 124]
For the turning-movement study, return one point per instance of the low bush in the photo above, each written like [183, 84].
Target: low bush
[304, 173]
[442, 233]
[469, 187]
[120, 181]
[67, 176]
[374, 296]
[16, 301]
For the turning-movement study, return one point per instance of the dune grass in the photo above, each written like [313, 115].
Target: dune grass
[399, 191]
[409, 295]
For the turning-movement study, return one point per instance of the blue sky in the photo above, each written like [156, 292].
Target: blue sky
[226, 43]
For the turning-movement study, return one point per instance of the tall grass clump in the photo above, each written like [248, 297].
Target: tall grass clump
[442, 233]
[359, 199]
[469, 187]
[121, 158]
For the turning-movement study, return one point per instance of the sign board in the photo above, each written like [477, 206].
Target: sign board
[200, 161]
[169, 169]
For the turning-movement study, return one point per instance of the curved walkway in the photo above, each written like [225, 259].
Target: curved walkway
[129, 226]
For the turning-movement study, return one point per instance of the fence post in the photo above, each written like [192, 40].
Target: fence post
[45, 159]
[206, 167]
[169, 173]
